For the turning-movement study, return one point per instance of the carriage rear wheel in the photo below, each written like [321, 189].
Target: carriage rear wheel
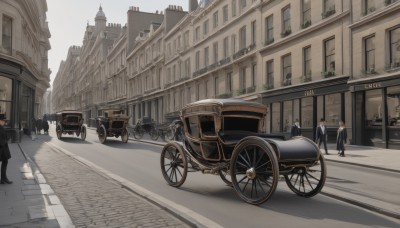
[307, 181]
[83, 133]
[124, 136]
[102, 133]
[59, 132]
[169, 134]
[254, 170]
[173, 164]
[153, 134]
[138, 132]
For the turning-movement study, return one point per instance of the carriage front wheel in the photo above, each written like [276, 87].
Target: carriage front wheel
[307, 181]
[153, 134]
[173, 164]
[254, 170]
[124, 136]
[225, 176]
[138, 132]
[102, 133]
[83, 133]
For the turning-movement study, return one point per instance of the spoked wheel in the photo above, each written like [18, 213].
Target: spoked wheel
[59, 132]
[254, 170]
[225, 176]
[138, 132]
[173, 164]
[307, 181]
[153, 134]
[83, 133]
[102, 134]
[124, 136]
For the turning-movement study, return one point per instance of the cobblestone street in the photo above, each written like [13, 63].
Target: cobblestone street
[93, 200]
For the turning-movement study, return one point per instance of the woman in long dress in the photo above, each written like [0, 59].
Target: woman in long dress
[341, 138]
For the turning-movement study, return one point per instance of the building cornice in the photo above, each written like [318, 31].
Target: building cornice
[375, 15]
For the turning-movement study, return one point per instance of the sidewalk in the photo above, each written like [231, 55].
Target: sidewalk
[91, 199]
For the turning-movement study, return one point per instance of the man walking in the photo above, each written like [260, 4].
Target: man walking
[4, 151]
[322, 135]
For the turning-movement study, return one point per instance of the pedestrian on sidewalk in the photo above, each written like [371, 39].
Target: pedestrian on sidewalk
[322, 135]
[296, 130]
[4, 151]
[341, 138]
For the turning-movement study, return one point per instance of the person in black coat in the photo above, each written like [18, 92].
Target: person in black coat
[322, 135]
[296, 130]
[4, 151]
[341, 138]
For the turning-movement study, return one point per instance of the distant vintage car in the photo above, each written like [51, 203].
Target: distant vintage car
[225, 137]
[112, 124]
[70, 122]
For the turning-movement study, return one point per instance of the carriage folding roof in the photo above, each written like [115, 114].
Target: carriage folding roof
[224, 106]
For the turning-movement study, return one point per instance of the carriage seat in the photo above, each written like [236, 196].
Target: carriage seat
[233, 137]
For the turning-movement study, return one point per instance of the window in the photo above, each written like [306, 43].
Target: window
[329, 5]
[215, 19]
[369, 6]
[307, 112]
[192, 123]
[216, 85]
[197, 60]
[197, 33]
[225, 14]
[394, 37]
[369, 54]
[205, 28]
[307, 62]
[206, 57]
[330, 55]
[226, 47]
[198, 92]
[269, 80]
[187, 67]
[269, 30]
[7, 34]
[286, 29]
[6, 97]
[243, 4]
[276, 117]
[207, 125]
[393, 105]
[242, 82]
[242, 33]
[306, 4]
[333, 109]
[215, 47]
[234, 8]
[287, 115]
[253, 32]
[233, 43]
[229, 86]
[253, 75]
[287, 69]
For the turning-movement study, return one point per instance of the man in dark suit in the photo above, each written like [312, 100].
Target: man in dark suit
[322, 135]
[296, 130]
[4, 151]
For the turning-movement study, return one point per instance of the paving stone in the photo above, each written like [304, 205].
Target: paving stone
[54, 200]
[36, 212]
[30, 181]
[30, 187]
[32, 192]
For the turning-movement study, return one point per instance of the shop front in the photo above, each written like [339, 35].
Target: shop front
[377, 112]
[307, 104]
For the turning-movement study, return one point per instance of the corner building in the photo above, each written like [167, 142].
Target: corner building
[24, 72]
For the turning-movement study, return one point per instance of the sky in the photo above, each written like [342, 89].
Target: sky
[67, 21]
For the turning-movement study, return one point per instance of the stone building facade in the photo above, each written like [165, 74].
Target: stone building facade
[24, 72]
[332, 59]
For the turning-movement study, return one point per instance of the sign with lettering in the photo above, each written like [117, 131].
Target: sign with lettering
[309, 93]
[373, 85]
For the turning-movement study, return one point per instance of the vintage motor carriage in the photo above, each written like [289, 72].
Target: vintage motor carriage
[112, 124]
[70, 122]
[224, 137]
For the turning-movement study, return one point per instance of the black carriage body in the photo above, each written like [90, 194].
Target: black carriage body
[69, 121]
[226, 137]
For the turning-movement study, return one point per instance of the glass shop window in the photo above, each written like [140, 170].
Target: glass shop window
[276, 117]
[307, 112]
[393, 104]
[287, 115]
[373, 107]
[6, 97]
[332, 109]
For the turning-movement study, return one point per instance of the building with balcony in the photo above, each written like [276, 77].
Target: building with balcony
[24, 72]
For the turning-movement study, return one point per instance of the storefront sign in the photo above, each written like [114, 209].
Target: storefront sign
[309, 93]
[373, 85]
